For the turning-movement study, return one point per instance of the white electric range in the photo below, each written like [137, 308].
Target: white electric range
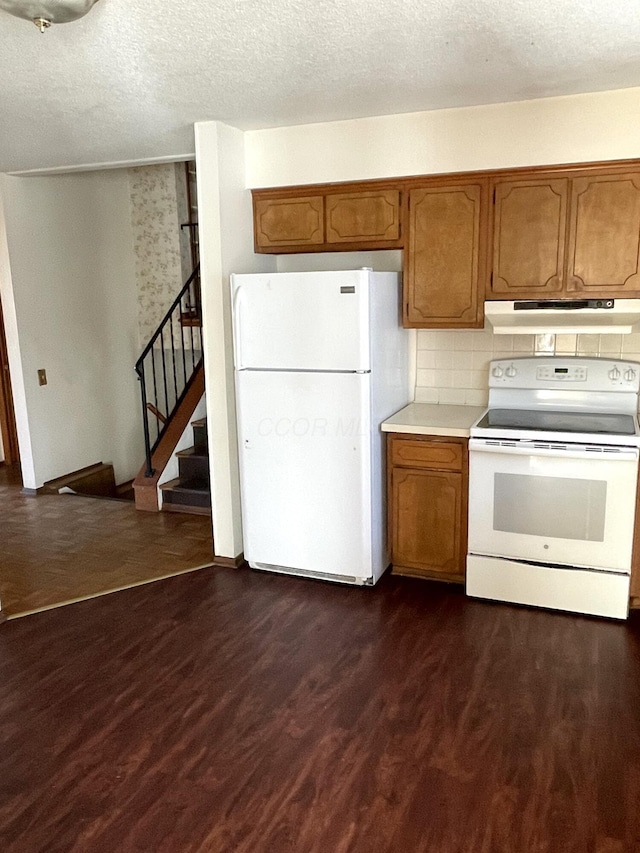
[553, 470]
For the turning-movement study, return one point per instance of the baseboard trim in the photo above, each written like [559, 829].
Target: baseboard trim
[3, 617]
[238, 562]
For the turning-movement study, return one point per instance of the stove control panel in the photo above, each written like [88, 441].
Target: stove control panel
[574, 374]
[565, 373]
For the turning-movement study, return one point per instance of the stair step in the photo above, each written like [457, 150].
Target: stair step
[200, 435]
[193, 464]
[193, 492]
[190, 318]
[187, 508]
[191, 452]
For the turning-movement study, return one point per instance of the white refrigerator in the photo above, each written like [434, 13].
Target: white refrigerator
[320, 361]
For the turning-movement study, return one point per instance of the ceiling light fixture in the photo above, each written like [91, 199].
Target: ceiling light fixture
[43, 13]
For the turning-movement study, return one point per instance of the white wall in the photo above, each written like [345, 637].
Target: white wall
[595, 126]
[73, 279]
[226, 246]
[389, 260]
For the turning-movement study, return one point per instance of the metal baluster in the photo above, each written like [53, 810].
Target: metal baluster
[198, 301]
[182, 342]
[173, 361]
[164, 372]
[155, 386]
[191, 302]
[145, 423]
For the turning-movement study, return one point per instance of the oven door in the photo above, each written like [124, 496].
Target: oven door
[570, 505]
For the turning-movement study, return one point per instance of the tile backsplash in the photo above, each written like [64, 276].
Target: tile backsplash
[453, 366]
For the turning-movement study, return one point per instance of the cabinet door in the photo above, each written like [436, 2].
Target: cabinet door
[445, 257]
[529, 228]
[426, 521]
[363, 217]
[604, 235]
[286, 222]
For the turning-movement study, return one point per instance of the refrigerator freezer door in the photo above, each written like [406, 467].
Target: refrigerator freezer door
[306, 471]
[301, 321]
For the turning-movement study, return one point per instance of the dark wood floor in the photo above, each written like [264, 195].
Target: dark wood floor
[59, 548]
[236, 711]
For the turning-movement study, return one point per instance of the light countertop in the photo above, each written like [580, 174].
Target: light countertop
[434, 419]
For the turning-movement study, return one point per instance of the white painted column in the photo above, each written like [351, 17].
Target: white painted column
[225, 228]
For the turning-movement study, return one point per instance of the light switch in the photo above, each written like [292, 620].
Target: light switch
[42, 377]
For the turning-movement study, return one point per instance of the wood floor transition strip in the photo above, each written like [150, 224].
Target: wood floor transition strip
[79, 598]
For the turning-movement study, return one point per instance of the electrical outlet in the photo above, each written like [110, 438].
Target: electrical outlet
[42, 377]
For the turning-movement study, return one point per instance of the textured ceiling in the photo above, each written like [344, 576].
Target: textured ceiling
[128, 81]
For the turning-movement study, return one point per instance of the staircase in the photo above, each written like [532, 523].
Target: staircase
[171, 375]
[190, 491]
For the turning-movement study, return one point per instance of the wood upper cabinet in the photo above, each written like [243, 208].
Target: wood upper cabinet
[530, 219]
[604, 235]
[427, 505]
[446, 256]
[320, 219]
[287, 222]
[362, 216]
[567, 236]
[557, 233]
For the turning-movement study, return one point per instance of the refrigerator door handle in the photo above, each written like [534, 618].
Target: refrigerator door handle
[237, 326]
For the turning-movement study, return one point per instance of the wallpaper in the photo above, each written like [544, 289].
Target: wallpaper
[156, 198]
[182, 202]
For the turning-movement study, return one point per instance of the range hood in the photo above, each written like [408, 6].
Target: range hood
[566, 316]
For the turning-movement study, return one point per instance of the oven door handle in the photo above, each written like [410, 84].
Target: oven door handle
[530, 448]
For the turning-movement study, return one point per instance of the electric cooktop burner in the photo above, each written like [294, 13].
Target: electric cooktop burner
[547, 421]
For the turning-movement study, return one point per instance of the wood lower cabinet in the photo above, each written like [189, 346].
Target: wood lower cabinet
[634, 592]
[446, 256]
[427, 506]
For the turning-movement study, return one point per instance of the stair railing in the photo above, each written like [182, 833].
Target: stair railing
[169, 363]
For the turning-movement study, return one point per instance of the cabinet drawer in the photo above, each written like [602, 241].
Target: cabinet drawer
[442, 455]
